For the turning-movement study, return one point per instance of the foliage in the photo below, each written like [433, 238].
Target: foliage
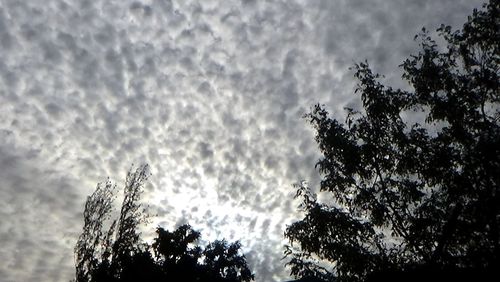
[119, 255]
[92, 243]
[410, 195]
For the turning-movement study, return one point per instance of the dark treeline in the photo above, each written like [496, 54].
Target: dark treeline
[409, 201]
[117, 253]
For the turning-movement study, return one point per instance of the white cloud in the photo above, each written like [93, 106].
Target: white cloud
[209, 93]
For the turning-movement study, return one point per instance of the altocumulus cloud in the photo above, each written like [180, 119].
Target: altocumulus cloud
[209, 93]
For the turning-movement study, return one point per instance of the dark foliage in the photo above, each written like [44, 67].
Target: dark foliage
[119, 255]
[404, 195]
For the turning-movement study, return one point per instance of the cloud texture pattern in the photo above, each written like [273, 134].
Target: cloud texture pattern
[209, 93]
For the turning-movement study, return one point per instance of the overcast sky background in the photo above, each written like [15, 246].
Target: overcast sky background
[209, 93]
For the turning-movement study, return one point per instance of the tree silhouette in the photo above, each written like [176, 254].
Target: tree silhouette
[403, 196]
[116, 253]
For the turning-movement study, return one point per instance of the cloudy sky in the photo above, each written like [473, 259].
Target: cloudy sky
[209, 93]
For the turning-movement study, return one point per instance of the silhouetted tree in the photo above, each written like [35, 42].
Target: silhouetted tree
[404, 196]
[117, 253]
[222, 262]
[93, 243]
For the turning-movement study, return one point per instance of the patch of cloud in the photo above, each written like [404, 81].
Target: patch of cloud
[211, 95]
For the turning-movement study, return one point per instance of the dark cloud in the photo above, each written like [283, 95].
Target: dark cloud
[209, 93]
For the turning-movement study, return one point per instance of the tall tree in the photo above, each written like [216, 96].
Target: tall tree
[105, 245]
[406, 195]
[112, 250]
[93, 243]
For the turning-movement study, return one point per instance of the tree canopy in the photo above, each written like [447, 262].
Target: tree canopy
[403, 195]
[114, 252]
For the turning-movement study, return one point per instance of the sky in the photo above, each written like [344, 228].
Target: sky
[210, 94]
